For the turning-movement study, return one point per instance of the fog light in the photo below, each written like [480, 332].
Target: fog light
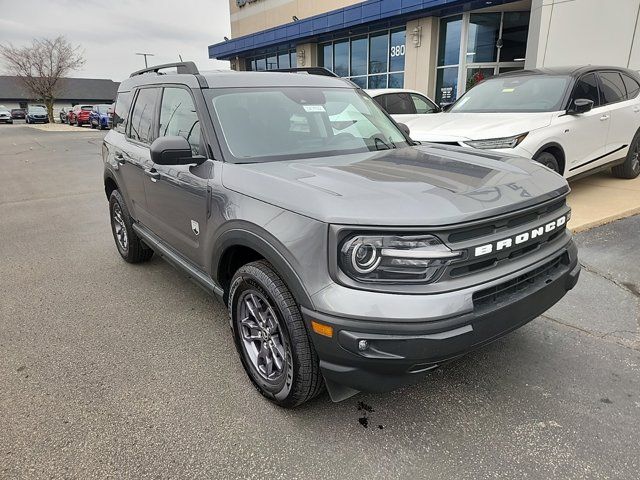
[363, 345]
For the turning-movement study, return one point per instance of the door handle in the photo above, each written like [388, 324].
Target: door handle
[153, 173]
[604, 117]
[119, 157]
[636, 109]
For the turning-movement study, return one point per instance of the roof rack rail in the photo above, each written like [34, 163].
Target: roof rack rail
[181, 67]
[309, 70]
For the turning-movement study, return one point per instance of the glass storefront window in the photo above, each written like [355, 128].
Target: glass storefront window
[326, 56]
[360, 81]
[293, 59]
[359, 56]
[482, 42]
[446, 85]
[272, 61]
[515, 28]
[341, 58]
[371, 61]
[378, 81]
[494, 42]
[396, 80]
[283, 60]
[397, 51]
[378, 53]
[449, 46]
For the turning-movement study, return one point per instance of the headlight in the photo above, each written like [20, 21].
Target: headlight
[394, 258]
[495, 143]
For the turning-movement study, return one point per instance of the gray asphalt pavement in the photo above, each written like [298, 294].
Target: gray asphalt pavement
[111, 370]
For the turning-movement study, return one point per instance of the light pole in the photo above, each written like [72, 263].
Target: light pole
[145, 55]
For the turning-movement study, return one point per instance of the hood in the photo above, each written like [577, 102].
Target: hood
[425, 185]
[454, 127]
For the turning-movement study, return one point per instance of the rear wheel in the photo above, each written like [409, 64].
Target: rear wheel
[271, 337]
[548, 160]
[129, 245]
[631, 166]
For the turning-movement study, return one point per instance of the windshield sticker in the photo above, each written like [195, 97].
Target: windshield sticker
[507, 90]
[313, 108]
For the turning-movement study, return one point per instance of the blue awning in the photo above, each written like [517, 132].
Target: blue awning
[389, 12]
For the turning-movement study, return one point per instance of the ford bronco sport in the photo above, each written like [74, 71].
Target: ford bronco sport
[348, 256]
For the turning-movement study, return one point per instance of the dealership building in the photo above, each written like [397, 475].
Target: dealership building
[439, 47]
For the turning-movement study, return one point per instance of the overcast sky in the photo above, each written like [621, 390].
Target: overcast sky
[112, 31]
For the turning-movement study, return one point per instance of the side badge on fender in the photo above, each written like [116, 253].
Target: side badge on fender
[195, 227]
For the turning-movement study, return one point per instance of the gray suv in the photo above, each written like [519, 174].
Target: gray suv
[349, 256]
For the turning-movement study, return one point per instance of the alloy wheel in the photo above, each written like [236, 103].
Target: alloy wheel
[262, 337]
[119, 227]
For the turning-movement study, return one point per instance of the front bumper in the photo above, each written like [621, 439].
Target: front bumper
[399, 352]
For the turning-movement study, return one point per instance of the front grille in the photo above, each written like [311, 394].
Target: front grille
[506, 292]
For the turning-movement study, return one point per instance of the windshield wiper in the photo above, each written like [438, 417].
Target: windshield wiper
[378, 140]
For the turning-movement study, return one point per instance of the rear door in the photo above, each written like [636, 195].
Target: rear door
[585, 134]
[177, 194]
[621, 98]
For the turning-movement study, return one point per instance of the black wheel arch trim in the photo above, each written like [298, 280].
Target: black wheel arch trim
[254, 237]
[546, 146]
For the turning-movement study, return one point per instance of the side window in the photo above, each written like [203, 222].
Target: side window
[633, 87]
[178, 117]
[141, 124]
[399, 104]
[587, 88]
[422, 104]
[121, 113]
[612, 87]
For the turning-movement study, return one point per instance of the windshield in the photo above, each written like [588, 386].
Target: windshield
[86, 108]
[526, 93]
[267, 124]
[37, 110]
[103, 108]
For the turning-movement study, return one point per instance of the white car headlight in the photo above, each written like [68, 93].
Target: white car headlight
[495, 143]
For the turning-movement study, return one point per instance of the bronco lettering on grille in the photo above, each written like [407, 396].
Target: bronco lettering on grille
[520, 238]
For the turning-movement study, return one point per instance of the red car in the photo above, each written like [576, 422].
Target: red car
[79, 115]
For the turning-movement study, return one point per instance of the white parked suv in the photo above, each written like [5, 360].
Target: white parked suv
[403, 104]
[574, 120]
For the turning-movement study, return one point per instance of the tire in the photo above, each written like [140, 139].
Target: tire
[631, 166]
[93, 127]
[298, 379]
[549, 160]
[129, 245]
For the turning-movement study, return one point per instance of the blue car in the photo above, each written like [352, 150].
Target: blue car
[101, 116]
[37, 114]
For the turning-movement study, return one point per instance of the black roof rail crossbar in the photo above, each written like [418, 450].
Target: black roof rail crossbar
[181, 67]
[309, 70]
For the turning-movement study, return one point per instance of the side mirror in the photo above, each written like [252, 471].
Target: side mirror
[405, 129]
[580, 105]
[173, 151]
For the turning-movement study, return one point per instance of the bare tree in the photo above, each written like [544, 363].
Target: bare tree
[42, 66]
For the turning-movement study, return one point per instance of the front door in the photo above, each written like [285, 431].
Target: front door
[134, 158]
[177, 194]
[586, 133]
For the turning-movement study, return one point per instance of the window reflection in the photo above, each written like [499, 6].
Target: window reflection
[341, 58]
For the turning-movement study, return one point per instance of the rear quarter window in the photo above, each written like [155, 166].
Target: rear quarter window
[121, 113]
[633, 87]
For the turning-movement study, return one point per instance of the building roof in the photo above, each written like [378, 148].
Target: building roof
[366, 14]
[82, 89]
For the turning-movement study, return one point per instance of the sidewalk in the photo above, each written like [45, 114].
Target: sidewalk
[602, 198]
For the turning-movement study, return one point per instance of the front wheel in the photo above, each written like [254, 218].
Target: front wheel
[548, 160]
[631, 166]
[271, 337]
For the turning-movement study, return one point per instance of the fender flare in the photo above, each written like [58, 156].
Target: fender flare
[251, 236]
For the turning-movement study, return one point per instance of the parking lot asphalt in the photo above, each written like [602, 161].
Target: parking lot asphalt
[111, 370]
